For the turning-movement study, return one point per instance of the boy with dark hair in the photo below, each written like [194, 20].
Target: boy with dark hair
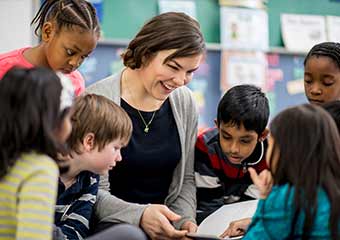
[224, 153]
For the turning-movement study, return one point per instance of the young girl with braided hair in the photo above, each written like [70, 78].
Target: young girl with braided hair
[68, 31]
[322, 73]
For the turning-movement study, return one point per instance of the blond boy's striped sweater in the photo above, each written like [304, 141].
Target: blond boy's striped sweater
[27, 198]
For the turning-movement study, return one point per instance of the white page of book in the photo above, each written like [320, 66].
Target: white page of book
[218, 222]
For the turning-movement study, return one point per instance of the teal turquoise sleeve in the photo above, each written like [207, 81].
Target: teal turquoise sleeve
[273, 217]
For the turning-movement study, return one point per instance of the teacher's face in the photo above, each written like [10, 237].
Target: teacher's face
[161, 78]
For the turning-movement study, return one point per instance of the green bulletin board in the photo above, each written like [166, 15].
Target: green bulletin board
[123, 18]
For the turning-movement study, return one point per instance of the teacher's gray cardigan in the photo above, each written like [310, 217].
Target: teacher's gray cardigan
[182, 191]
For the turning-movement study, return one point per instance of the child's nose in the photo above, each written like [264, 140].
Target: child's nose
[315, 89]
[235, 147]
[119, 157]
[75, 62]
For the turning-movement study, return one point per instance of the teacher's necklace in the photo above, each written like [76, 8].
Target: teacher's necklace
[146, 124]
[146, 129]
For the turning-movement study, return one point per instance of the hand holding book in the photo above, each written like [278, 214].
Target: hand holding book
[237, 228]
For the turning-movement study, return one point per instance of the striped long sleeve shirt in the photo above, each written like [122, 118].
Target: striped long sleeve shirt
[27, 198]
[75, 205]
[218, 180]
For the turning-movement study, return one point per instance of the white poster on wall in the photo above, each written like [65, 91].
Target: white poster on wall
[333, 28]
[244, 29]
[243, 68]
[300, 32]
[186, 6]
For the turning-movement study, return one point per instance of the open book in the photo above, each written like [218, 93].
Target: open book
[216, 223]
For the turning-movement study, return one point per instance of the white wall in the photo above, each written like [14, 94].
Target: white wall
[15, 18]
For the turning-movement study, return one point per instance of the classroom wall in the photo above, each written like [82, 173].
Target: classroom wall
[123, 18]
[276, 7]
[15, 18]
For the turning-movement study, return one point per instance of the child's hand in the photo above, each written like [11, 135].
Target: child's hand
[263, 181]
[236, 228]
[189, 226]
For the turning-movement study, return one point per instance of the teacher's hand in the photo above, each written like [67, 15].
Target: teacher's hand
[156, 222]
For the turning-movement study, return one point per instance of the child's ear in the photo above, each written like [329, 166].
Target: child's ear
[47, 31]
[264, 135]
[88, 142]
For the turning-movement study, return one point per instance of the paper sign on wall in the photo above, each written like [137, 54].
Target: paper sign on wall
[244, 29]
[243, 68]
[333, 28]
[301, 32]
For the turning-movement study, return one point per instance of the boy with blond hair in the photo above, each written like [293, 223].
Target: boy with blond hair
[100, 128]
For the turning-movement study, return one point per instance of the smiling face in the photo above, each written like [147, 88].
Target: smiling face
[237, 143]
[161, 78]
[66, 49]
[321, 80]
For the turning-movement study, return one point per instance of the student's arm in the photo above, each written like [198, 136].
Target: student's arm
[75, 222]
[209, 188]
[273, 217]
[36, 202]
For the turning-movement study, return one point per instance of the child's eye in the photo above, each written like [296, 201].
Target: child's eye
[245, 141]
[116, 148]
[226, 137]
[84, 57]
[69, 52]
[327, 84]
[308, 81]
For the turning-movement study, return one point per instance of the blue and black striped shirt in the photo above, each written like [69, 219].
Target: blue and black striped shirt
[75, 205]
